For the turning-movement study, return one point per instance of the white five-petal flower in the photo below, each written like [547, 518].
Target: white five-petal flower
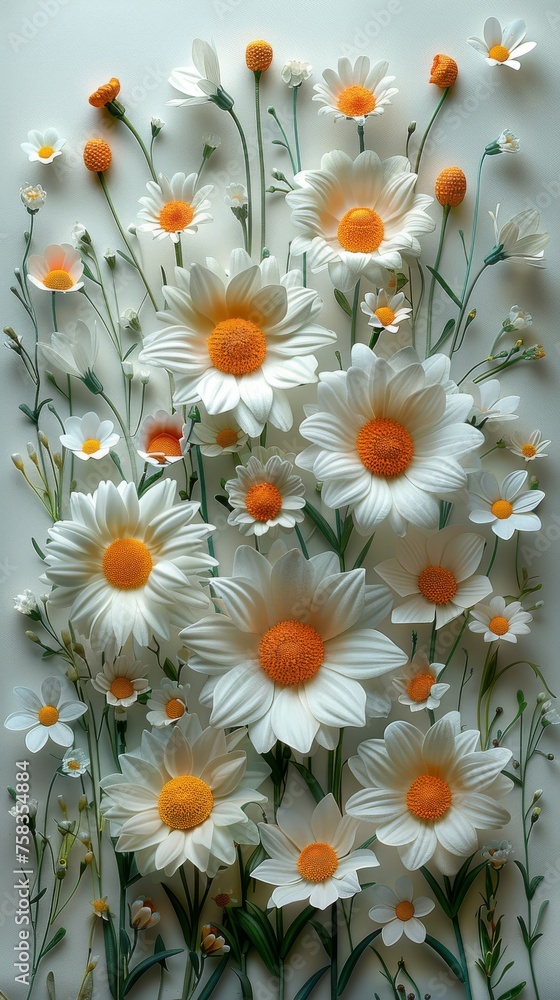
[46, 717]
[88, 436]
[43, 147]
[503, 46]
[507, 507]
[398, 911]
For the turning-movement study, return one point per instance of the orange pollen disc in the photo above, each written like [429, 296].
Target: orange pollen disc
[127, 563]
[226, 437]
[176, 216]
[263, 501]
[237, 346]
[100, 906]
[499, 625]
[502, 509]
[185, 802]
[429, 797]
[44, 152]
[58, 280]
[499, 53]
[451, 186]
[164, 444]
[47, 715]
[385, 315]
[174, 708]
[420, 686]
[258, 56]
[437, 585]
[385, 447]
[317, 862]
[90, 446]
[356, 101]
[291, 652]
[97, 155]
[73, 765]
[121, 687]
[404, 910]
[222, 899]
[360, 230]
[528, 450]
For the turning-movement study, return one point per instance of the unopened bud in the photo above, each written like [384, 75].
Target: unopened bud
[535, 815]
[88, 857]
[57, 459]
[32, 453]
[18, 461]
[32, 636]
[111, 259]
[62, 804]
[92, 963]
[43, 439]
[82, 803]
[66, 638]
[61, 869]
[72, 674]
[79, 649]
[537, 795]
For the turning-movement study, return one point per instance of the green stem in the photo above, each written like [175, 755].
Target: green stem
[178, 252]
[296, 129]
[454, 646]
[524, 757]
[361, 138]
[456, 343]
[141, 143]
[334, 959]
[257, 76]
[126, 434]
[272, 112]
[239, 127]
[444, 218]
[494, 551]
[126, 242]
[203, 501]
[427, 132]
[462, 957]
[355, 310]
[475, 223]
[301, 541]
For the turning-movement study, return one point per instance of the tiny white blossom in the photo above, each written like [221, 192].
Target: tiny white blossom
[295, 72]
[33, 196]
[497, 852]
[25, 603]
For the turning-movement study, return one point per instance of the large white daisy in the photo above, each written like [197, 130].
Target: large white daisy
[265, 494]
[507, 508]
[174, 206]
[358, 92]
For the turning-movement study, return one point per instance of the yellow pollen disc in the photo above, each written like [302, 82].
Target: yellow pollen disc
[429, 797]
[121, 687]
[291, 652]
[385, 447]
[174, 708]
[237, 346]
[226, 437]
[317, 862]
[360, 230]
[90, 446]
[100, 906]
[263, 501]
[404, 910]
[176, 216]
[164, 444]
[73, 765]
[355, 101]
[127, 563]
[420, 687]
[499, 53]
[222, 899]
[44, 152]
[499, 625]
[528, 450]
[58, 280]
[185, 802]
[437, 585]
[47, 715]
[385, 315]
[502, 509]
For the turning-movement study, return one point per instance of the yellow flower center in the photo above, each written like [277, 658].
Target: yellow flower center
[47, 715]
[174, 708]
[185, 802]
[528, 450]
[429, 797]
[263, 501]
[121, 687]
[385, 315]
[73, 765]
[360, 230]
[226, 437]
[502, 509]
[355, 101]
[385, 447]
[291, 652]
[90, 446]
[499, 53]
[164, 444]
[420, 686]
[127, 563]
[404, 910]
[237, 346]
[44, 152]
[437, 585]
[58, 280]
[176, 216]
[222, 899]
[499, 625]
[317, 862]
[100, 906]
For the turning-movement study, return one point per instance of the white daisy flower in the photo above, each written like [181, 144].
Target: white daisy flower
[46, 717]
[235, 196]
[358, 92]
[507, 508]
[355, 217]
[418, 685]
[385, 313]
[295, 652]
[498, 621]
[398, 911]
[503, 46]
[218, 435]
[167, 704]
[121, 681]
[60, 269]
[179, 799]
[144, 914]
[200, 84]
[434, 572]
[528, 446]
[497, 852]
[519, 239]
[488, 403]
[238, 341]
[74, 352]
[174, 206]
[88, 436]
[26, 603]
[295, 72]
[265, 494]
[129, 566]
[33, 196]
[429, 793]
[161, 439]
[387, 439]
[75, 762]
[312, 858]
[43, 147]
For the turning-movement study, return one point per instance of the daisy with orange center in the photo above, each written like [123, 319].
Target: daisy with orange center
[75, 763]
[265, 494]
[174, 206]
[528, 446]
[100, 908]
[498, 621]
[167, 704]
[46, 717]
[418, 685]
[60, 269]
[508, 507]
[161, 439]
[217, 435]
[121, 681]
[43, 147]
[503, 46]
[358, 92]
[398, 911]
[88, 436]
[385, 312]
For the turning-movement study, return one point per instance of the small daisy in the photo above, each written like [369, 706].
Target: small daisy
[488, 404]
[174, 206]
[48, 716]
[218, 434]
[358, 92]
[417, 684]
[398, 911]
[507, 508]
[122, 681]
[161, 440]
[60, 269]
[42, 147]
[143, 913]
[100, 908]
[167, 704]
[265, 494]
[503, 46]
[498, 621]
[497, 852]
[295, 72]
[528, 446]
[385, 313]
[75, 763]
[519, 239]
[33, 196]
[88, 436]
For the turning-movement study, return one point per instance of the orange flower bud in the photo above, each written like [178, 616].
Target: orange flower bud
[451, 187]
[258, 56]
[107, 92]
[444, 71]
[97, 155]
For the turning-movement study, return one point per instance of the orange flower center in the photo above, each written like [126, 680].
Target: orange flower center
[420, 686]
[528, 450]
[174, 708]
[355, 101]
[360, 230]
[44, 152]
[47, 715]
[437, 585]
[502, 509]
[499, 53]
[385, 447]
[226, 437]
[291, 652]
[58, 280]
[258, 55]
[451, 186]
[176, 216]
[121, 687]
[263, 501]
[222, 899]
[90, 446]
[385, 315]
[100, 906]
[127, 563]
[499, 625]
[429, 797]
[404, 910]
[185, 802]
[73, 765]
[317, 862]
[164, 444]
[237, 346]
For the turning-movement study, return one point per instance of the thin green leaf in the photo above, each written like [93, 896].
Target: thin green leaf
[110, 942]
[346, 533]
[363, 553]
[180, 913]
[160, 946]
[516, 991]
[446, 332]
[523, 870]
[295, 929]
[540, 914]
[38, 896]
[125, 256]
[322, 525]
[246, 988]
[56, 938]
[513, 777]
[459, 896]
[525, 933]
[352, 960]
[88, 273]
[39, 552]
[535, 882]
[323, 935]
[130, 350]
[259, 931]
[310, 780]
[169, 669]
[148, 963]
[125, 942]
[308, 987]
[51, 988]
[438, 892]
[342, 301]
[447, 957]
[441, 281]
[214, 979]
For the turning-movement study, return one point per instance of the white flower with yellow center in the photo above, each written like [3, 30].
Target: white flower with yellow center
[500, 622]
[200, 84]
[174, 206]
[507, 508]
[360, 91]
[519, 239]
[312, 858]
[497, 852]
[167, 704]
[387, 439]
[60, 269]
[385, 313]
[295, 655]
[218, 435]
[488, 403]
[75, 763]
[418, 685]
[429, 793]
[180, 799]
[435, 573]
[503, 46]
[33, 196]
[528, 446]
[128, 566]
[46, 717]
[88, 436]
[42, 147]
[161, 439]
[398, 911]
[355, 217]
[508, 142]
[236, 196]
[239, 341]
[265, 494]
[121, 681]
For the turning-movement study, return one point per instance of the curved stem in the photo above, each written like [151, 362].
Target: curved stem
[141, 143]
[257, 76]
[444, 218]
[126, 434]
[456, 343]
[427, 132]
[296, 130]
[355, 307]
[203, 501]
[475, 223]
[247, 179]
[494, 551]
[103, 183]
[301, 541]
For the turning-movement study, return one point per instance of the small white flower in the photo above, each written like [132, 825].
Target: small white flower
[42, 147]
[497, 852]
[503, 46]
[518, 319]
[550, 715]
[508, 142]
[200, 84]
[218, 434]
[265, 494]
[488, 404]
[26, 603]
[507, 508]
[358, 92]
[168, 704]
[417, 683]
[528, 446]
[33, 196]
[46, 717]
[498, 621]
[236, 196]
[60, 269]
[157, 124]
[129, 321]
[28, 809]
[174, 206]
[295, 72]
[88, 436]
[79, 235]
[519, 239]
[398, 911]
[75, 763]
[211, 141]
[385, 313]
[122, 681]
[161, 439]
[143, 914]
